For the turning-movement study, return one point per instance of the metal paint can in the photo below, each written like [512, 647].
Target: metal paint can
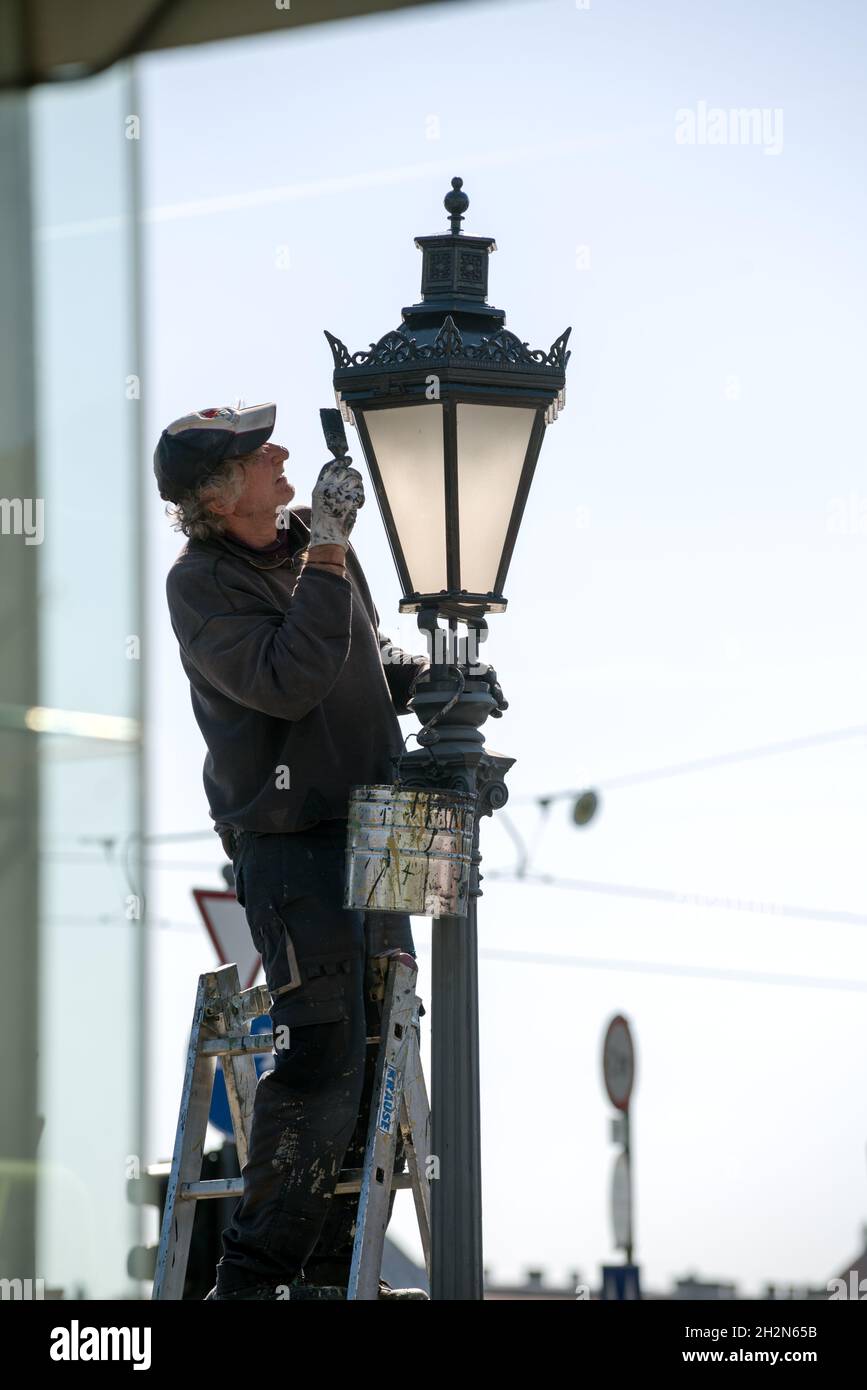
[409, 850]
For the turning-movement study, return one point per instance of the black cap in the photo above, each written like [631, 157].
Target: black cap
[191, 448]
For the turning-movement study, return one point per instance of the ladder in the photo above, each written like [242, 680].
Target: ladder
[221, 1028]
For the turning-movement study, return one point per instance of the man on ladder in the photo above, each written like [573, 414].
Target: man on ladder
[297, 702]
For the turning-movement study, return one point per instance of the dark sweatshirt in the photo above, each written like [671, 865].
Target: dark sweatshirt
[287, 679]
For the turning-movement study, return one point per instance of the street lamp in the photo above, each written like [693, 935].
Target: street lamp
[451, 410]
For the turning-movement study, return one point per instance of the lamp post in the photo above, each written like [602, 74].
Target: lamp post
[451, 409]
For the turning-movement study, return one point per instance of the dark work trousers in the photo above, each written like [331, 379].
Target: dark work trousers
[310, 1114]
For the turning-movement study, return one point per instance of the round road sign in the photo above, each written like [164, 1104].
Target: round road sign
[618, 1062]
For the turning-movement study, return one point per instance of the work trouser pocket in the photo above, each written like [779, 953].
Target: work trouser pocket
[308, 990]
[312, 948]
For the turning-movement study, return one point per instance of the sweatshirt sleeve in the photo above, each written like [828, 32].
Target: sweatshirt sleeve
[280, 663]
[400, 670]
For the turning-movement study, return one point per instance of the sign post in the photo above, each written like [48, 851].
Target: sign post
[618, 1070]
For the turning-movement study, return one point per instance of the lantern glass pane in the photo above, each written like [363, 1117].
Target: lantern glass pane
[408, 443]
[492, 447]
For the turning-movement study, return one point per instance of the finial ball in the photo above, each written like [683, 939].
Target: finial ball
[456, 202]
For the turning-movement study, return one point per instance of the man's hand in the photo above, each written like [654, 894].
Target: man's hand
[338, 494]
[487, 673]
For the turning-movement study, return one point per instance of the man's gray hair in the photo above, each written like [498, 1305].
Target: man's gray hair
[192, 514]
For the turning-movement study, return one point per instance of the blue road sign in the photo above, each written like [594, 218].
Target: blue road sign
[620, 1282]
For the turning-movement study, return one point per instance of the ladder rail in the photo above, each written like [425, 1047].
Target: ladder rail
[415, 1128]
[399, 1006]
[178, 1215]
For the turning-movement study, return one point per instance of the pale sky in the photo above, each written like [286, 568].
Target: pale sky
[688, 580]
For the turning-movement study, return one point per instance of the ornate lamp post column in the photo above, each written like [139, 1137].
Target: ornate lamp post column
[451, 409]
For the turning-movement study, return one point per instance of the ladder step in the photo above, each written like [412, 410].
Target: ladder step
[236, 1044]
[349, 1181]
[209, 1187]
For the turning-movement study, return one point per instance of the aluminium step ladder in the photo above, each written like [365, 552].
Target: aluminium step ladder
[221, 1028]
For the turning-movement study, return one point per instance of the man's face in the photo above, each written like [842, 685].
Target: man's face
[265, 487]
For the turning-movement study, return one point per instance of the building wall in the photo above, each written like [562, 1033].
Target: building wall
[70, 871]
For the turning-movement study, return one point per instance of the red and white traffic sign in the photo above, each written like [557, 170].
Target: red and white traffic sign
[226, 925]
[618, 1062]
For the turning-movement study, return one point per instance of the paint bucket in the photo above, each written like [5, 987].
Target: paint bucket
[409, 850]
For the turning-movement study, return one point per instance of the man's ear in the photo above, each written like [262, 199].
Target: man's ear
[211, 496]
[217, 504]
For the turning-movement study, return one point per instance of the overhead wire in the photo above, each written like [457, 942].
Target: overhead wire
[724, 974]
[714, 760]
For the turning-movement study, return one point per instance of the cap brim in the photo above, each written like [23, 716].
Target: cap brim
[255, 426]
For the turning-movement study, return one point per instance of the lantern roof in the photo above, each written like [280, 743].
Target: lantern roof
[452, 332]
[454, 268]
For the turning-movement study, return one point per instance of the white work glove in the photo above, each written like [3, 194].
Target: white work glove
[338, 494]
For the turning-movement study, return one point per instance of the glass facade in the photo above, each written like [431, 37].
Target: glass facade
[71, 730]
